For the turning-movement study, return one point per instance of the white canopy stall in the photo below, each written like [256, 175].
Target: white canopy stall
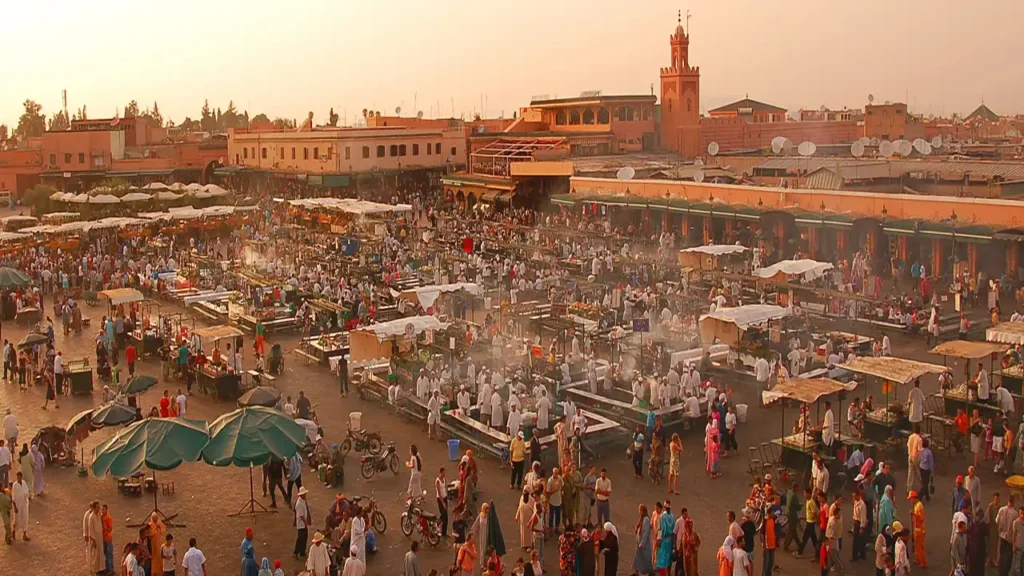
[373, 341]
[727, 325]
[425, 296]
[708, 257]
[784, 269]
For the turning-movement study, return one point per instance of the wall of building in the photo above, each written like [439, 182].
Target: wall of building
[993, 212]
[19, 170]
[341, 151]
[74, 151]
[738, 134]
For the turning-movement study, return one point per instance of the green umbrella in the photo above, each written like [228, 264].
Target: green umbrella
[494, 537]
[113, 414]
[11, 278]
[31, 339]
[81, 419]
[138, 385]
[157, 444]
[251, 436]
[261, 396]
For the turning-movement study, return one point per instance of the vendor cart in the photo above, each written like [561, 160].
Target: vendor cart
[79, 376]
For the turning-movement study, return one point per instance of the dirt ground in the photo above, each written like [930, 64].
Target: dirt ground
[204, 495]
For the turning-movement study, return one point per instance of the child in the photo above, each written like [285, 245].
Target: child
[987, 450]
[823, 556]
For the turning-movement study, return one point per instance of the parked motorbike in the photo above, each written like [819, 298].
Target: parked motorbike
[373, 463]
[375, 517]
[361, 441]
[415, 518]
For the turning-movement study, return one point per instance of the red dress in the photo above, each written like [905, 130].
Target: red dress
[165, 407]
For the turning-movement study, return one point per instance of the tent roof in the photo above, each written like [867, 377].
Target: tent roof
[1006, 332]
[899, 370]
[809, 269]
[122, 295]
[746, 316]
[218, 332]
[397, 327]
[717, 249]
[805, 390]
[968, 349]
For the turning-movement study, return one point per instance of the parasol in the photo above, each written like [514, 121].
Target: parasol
[138, 385]
[260, 396]
[494, 537]
[251, 436]
[83, 418]
[155, 443]
[31, 339]
[112, 414]
[11, 278]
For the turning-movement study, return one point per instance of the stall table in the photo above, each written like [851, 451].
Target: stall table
[221, 384]
[955, 399]
[797, 450]
[78, 376]
[147, 342]
[1012, 379]
[879, 424]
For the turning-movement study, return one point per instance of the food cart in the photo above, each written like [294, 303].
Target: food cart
[217, 380]
[714, 257]
[747, 330]
[146, 334]
[78, 374]
[798, 448]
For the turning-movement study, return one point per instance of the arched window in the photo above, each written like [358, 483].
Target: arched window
[602, 116]
[689, 105]
[380, 151]
[316, 153]
[245, 153]
[305, 153]
[560, 118]
[430, 149]
[393, 150]
[437, 148]
[625, 114]
[401, 149]
[574, 117]
[263, 153]
[415, 149]
[366, 151]
[588, 116]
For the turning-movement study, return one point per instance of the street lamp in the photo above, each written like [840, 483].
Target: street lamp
[952, 222]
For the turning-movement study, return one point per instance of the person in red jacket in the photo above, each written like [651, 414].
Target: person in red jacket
[130, 354]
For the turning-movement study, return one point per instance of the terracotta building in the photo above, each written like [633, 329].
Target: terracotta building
[891, 122]
[750, 110]
[679, 125]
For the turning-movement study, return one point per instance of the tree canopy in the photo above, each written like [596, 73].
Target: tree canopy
[32, 123]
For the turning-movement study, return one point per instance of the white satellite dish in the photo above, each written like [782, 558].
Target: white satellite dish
[787, 145]
[806, 148]
[871, 98]
[713, 149]
[481, 129]
[886, 148]
[864, 140]
[698, 176]
[419, 114]
[875, 142]
[698, 163]
[937, 142]
[919, 144]
[777, 144]
[857, 149]
[625, 173]
[904, 147]
[926, 149]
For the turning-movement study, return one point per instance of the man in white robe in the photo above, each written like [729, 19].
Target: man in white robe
[497, 380]
[20, 492]
[592, 375]
[497, 413]
[543, 410]
[915, 404]
[462, 399]
[357, 538]
[484, 398]
[433, 414]
[353, 566]
[92, 534]
[318, 562]
[638, 392]
[566, 377]
[422, 385]
[471, 373]
[515, 420]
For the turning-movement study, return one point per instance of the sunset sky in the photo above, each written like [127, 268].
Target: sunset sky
[287, 58]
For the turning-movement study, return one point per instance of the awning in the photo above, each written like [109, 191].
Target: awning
[564, 199]
[218, 332]
[806, 268]
[1006, 333]
[727, 324]
[969, 349]
[121, 296]
[894, 369]
[946, 231]
[415, 325]
[901, 227]
[717, 249]
[805, 390]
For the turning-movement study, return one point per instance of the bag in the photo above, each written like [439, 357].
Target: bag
[629, 451]
[976, 429]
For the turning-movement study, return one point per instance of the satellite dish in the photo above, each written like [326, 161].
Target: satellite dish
[875, 142]
[398, 110]
[926, 149]
[777, 144]
[698, 177]
[937, 142]
[419, 114]
[871, 98]
[787, 145]
[904, 147]
[857, 149]
[625, 173]
[806, 148]
[713, 149]
[886, 148]
[698, 162]
[480, 129]
[865, 140]
[919, 144]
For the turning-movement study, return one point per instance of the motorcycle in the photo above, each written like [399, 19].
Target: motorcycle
[374, 463]
[415, 517]
[361, 441]
[370, 511]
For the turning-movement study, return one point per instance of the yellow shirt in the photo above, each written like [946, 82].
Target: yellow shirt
[517, 450]
[914, 445]
[811, 511]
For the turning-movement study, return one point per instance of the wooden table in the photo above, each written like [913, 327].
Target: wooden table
[953, 401]
[1012, 379]
[880, 430]
[797, 450]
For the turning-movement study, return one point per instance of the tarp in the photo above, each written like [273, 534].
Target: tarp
[969, 349]
[427, 295]
[805, 390]
[1006, 332]
[121, 296]
[727, 324]
[808, 269]
[717, 249]
[350, 205]
[894, 369]
[401, 326]
[218, 332]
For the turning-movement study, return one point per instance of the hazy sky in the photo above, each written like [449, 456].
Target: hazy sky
[287, 58]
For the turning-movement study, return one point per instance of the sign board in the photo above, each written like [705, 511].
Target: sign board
[559, 310]
[641, 325]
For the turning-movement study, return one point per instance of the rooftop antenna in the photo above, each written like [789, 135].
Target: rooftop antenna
[857, 149]
[904, 147]
[886, 148]
[777, 144]
[687, 23]
[713, 149]
[871, 98]
[698, 176]
[625, 173]
[415, 95]
[807, 148]
[937, 142]
[64, 95]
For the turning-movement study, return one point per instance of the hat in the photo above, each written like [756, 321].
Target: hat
[303, 491]
[897, 527]
[960, 479]
[248, 532]
[277, 563]
[520, 434]
[318, 537]
[353, 551]
[858, 478]
[912, 495]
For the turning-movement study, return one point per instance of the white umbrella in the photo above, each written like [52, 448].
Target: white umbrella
[178, 187]
[104, 199]
[79, 199]
[167, 195]
[135, 197]
[155, 186]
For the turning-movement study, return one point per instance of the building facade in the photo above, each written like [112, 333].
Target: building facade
[679, 125]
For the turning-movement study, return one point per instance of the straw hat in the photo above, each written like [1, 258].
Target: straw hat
[318, 537]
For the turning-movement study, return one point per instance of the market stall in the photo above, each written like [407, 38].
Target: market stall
[882, 424]
[146, 335]
[78, 374]
[382, 340]
[219, 379]
[799, 447]
[1006, 333]
[714, 257]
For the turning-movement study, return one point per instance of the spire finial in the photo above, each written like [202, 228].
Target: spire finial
[679, 17]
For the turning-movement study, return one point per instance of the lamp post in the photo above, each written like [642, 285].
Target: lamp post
[952, 222]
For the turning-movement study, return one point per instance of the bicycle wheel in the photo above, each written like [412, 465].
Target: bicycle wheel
[368, 469]
[393, 464]
[407, 525]
[379, 522]
[373, 444]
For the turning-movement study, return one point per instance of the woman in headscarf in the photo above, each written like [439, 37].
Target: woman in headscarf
[725, 557]
[643, 560]
[567, 551]
[886, 509]
[666, 540]
[265, 568]
[711, 444]
[479, 530]
[27, 463]
[157, 535]
[610, 549]
[523, 515]
[690, 544]
[586, 553]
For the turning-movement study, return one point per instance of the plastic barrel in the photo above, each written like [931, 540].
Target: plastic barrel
[741, 412]
[355, 420]
[453, 449]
